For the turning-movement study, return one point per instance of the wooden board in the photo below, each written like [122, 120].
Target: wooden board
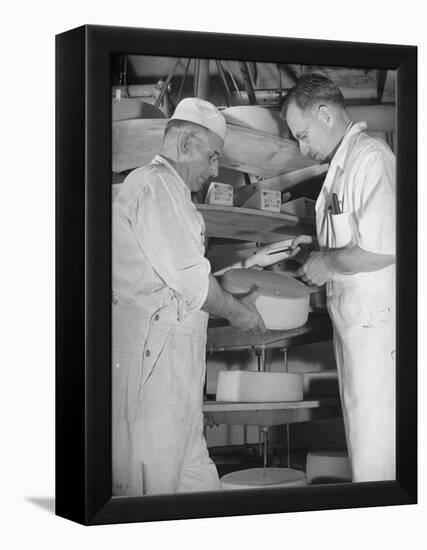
[130, 108]
[318, 328]
[270, 414]
[253, 225]
[135, 142]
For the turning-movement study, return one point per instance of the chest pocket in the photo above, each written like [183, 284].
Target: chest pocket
[341, 230]
[341, 227]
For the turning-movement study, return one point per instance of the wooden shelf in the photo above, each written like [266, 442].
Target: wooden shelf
[318, 328]
[244, 224]
[271, 414]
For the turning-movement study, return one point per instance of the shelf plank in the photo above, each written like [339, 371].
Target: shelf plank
[318, 328]
[245, 224]
[271, 414]
[313, 403]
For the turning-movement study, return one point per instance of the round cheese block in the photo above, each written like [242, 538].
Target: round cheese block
[284, 301]
[241, 386]
[328, 467]
[257, 478]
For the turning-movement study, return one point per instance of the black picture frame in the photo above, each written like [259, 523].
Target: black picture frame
[83, 274]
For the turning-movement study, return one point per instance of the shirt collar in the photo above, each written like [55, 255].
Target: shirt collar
[158, 159]
[340, 156]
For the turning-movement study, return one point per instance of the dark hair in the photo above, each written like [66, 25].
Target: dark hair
[312, 89]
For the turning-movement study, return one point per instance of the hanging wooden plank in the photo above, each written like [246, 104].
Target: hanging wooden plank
[285, 182]
[129, 108]
[261, 154]
[135, 142]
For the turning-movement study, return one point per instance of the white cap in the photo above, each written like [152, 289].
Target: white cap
[201, 112]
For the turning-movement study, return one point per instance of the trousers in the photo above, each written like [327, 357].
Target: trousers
[158, 372]
[364, 321]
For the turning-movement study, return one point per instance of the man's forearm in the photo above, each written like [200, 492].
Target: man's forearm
[321, 266]
[357, 260]
[218, 302]
[241, 313]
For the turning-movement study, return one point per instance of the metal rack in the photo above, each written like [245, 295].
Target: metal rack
[225, 338]
[260, 226]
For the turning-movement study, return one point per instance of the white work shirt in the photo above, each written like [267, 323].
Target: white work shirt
[362, 175]
[158, 241]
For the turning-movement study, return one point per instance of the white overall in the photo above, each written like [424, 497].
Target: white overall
[362, 305]
[158, 377]
[160, 282]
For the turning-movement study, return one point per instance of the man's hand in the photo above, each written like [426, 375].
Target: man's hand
[317, 270]
[301, 246]
[246, 317]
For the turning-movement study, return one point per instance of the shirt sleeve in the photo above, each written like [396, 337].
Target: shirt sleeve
[375, 217]
[169, 234]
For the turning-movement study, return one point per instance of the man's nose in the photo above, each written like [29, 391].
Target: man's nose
[304, 148]
[214, 168]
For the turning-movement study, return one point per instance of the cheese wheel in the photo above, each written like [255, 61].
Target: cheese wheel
[284, 301]
[328, 466]
[257, 478]
[254, 386]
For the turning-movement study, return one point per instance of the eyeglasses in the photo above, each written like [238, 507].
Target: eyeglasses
[214, 156]
[304, 136]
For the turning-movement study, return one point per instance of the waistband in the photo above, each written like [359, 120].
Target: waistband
[196, 321]
[332, 287]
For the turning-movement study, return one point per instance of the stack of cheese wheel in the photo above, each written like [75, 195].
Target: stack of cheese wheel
[253, 386]
[258, 478]
[283, 302]
[328, 467]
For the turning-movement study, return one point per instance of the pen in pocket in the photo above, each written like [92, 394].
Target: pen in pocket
[335, 205]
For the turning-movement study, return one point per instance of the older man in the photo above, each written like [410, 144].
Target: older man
[162, 293]
[355, 218]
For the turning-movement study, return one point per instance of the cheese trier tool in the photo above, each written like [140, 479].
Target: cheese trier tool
[264, 257]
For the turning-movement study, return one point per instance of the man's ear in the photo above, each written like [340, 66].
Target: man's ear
[184, 143]
[326, 115]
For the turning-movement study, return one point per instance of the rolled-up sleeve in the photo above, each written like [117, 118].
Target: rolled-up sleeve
[169, 234]
[376, 214]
